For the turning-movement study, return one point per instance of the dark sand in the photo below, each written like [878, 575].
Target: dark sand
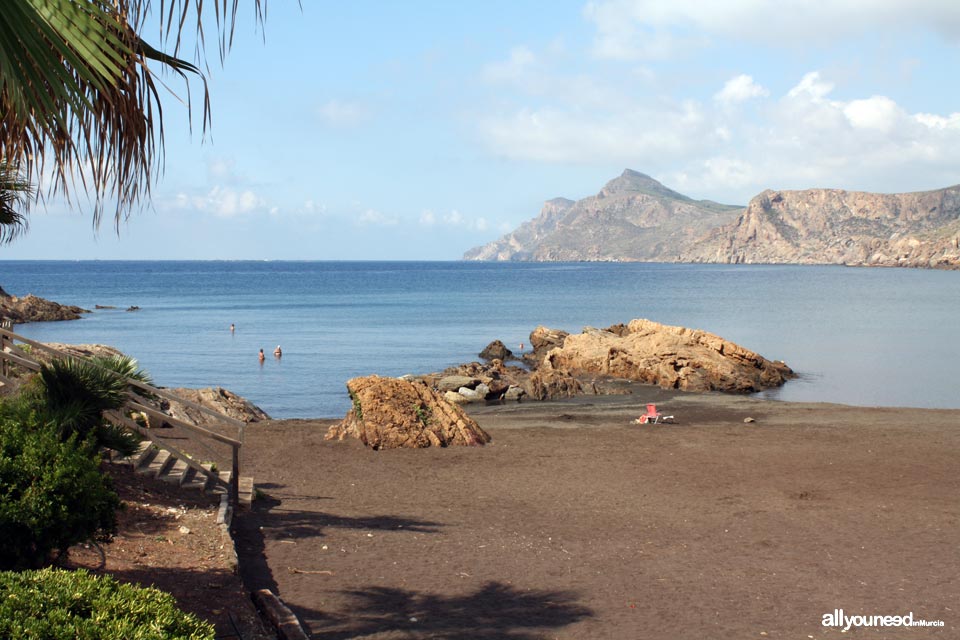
[574, 523]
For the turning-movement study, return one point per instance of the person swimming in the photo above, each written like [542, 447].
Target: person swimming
[278, 352]
[261, 356]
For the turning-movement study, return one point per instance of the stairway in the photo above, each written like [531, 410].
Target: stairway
[150, 460]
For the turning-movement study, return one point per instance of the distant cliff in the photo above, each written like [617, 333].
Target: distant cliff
[635, 218]
[832, 226]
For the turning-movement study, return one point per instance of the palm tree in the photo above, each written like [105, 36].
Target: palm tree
[78, 93]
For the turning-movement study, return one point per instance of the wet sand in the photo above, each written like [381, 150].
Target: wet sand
[574, 523]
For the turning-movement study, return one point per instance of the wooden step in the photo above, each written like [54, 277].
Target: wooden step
[176, 473]
[192, 479]
[151, 454]
[157, 464]
[245, 490]
[220, 486]
[146, 450]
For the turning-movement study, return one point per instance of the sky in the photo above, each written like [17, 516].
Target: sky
[371, 130]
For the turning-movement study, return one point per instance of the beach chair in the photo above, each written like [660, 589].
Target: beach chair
[652, 415]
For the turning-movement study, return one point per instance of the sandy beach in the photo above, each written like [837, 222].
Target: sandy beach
[575, 523]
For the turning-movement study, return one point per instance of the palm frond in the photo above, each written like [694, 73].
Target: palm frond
[15, 196]
[77, 91]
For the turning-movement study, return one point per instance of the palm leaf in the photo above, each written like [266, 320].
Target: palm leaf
[77, 91]
[15, 196]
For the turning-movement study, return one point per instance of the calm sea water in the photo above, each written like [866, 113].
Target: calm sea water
[876, 337]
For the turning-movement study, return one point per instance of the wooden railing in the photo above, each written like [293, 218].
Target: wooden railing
[12, 357]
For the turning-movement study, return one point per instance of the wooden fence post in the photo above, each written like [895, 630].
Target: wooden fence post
[6, 324]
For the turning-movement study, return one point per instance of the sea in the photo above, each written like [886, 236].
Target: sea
[859, 336]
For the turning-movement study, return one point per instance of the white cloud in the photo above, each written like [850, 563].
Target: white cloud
[223, 202]
[453, 220]
[811, 85]
[635, 132]
[638, 29]
[879, 112]
[516, 67]
[804, 138]
[340, 114]
[739, 89]
[372, 217]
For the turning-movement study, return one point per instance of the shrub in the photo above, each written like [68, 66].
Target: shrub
[56, 604]
[52, 493]
[73, 394]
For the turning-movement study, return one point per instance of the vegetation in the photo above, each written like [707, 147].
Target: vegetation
[423, 413]
[53, 604]
[52, 493]
[357, 409]
[73, 394]
[15, 194]
[78, 93]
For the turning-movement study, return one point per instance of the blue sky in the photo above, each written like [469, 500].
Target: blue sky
[373, 130]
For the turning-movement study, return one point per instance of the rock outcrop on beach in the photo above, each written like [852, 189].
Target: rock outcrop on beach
[636, 218]
[78, 350]
[633, 218]
[216, 398]
[31, 308]
[667, 356]
[832, 226]
[391, 413]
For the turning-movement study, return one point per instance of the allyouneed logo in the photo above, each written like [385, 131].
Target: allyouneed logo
[838, 619]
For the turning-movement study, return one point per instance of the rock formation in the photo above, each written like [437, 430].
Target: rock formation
[633, 218]
[833, 226]
[217, 398]
[671, 357]
[390, 413]
[30, 308]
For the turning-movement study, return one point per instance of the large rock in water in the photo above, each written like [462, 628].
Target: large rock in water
[671, 357]
[389, 413]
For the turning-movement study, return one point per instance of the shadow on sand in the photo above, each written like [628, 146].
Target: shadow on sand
[494, 611]
[268, 514]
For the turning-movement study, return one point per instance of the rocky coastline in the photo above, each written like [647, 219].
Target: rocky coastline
[31, 308]
[425, 410]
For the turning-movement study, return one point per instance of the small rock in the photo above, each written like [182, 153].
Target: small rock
[454, 397]
[184, 530]
[470, 394]
[749, 420]
[496, 350]
[452, 383]
[513, 393]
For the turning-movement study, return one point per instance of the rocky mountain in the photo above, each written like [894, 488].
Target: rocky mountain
[635, 218]
[832, 226]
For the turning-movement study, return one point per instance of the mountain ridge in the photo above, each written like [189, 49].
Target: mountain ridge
[636, 218]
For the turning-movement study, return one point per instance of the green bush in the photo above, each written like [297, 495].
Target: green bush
[52, 493]
[54, 604]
